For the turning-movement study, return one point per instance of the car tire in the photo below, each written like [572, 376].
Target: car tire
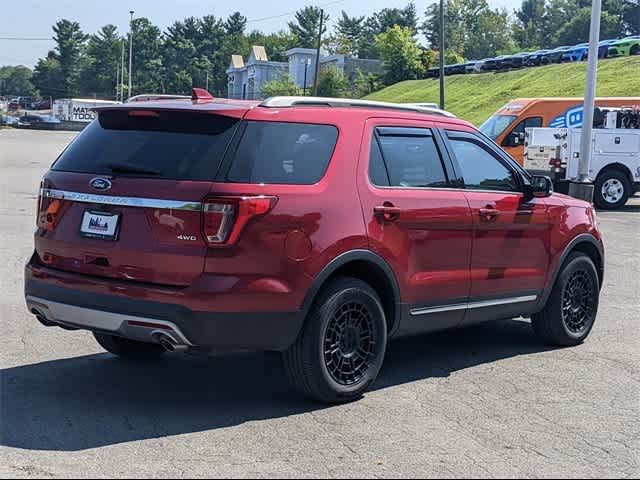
[570, 313]
[125, 348]
[635, 50]
[612, 190]
[339, 353]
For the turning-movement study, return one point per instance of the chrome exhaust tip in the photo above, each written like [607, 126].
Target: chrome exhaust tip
[169, 343]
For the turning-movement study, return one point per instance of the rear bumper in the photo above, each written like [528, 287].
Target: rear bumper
[144, 320]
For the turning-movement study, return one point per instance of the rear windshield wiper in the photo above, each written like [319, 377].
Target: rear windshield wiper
[127, 168]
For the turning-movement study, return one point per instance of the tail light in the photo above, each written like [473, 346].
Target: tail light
[224, 218]
[48, 210]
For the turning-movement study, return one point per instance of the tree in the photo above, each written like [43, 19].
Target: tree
[48, 77]
[235, 24]
[631, 16]
[347, 36]
[70, 43]
[578, 28]
[147, 59]
[400, 54]
[16, 81]
[529, 26]
[332, 83]
[306, 26]
[285, 86]
[366, 84]
[382, 21]
[100, 63]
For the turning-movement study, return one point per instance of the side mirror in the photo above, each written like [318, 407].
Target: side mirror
[540, 187]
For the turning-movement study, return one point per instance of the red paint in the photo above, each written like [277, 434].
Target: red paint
[440, 243]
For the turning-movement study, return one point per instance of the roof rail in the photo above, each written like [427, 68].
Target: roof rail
[283, 102]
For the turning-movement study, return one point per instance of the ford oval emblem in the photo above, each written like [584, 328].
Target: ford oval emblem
[101, 184]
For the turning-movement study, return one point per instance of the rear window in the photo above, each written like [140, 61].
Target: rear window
[283, 153]
[173, 145]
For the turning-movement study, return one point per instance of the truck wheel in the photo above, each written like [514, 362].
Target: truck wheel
[570, 313]
[126, 348]
[341, 348]
[612, 190]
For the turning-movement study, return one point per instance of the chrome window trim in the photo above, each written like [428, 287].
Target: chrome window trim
[473, 305]
[136, 202]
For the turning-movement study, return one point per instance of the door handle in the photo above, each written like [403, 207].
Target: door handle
[388, 212]
[489, 214]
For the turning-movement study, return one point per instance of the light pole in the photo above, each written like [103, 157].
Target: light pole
[129, 93]
[582, 188]
[121, 86]
[307, 62]
[317, 70]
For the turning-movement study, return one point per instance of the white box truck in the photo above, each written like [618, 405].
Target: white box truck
[77, 109]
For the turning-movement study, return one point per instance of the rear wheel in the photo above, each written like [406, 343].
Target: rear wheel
[612, 189]
[126, 348]
[340, 351]
[570, 313]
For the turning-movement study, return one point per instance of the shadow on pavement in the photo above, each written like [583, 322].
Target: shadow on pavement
[97, 400]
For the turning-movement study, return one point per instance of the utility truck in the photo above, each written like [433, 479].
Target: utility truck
[615, 157]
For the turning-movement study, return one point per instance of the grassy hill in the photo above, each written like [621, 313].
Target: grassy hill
[476, 97]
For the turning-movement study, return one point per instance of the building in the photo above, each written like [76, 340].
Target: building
[245, 80]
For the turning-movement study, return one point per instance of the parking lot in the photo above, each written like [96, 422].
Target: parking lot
[488, 401]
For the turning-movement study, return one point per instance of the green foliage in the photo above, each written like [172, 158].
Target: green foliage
[100, 63]
[332, 83]
[347, 36]
[476, 97]
[400, 54]
[365, 84]
[276, 43]
[70, 44]
[577, 29]
[307, 25]
[285, 86]
[48, 76]
[16, 81]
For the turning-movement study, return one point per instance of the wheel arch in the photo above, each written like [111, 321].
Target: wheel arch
[620, 167]
[368, 267]
[584, 243]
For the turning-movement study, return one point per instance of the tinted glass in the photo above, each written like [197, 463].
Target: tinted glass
[412, 161]
[481, 169]
[283, 153]
[173, 145]
[532, 122]
[377, 170]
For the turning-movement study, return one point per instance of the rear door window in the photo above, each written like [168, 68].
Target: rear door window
[410, 156]
[283, 153]
[167, 145]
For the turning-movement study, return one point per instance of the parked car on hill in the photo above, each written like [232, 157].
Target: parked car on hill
[554, 56]
[578, 53]
[626, 46]
[515, 61]
[535, 58]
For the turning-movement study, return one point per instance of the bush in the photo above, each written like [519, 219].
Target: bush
[283, 87]
[332, 83]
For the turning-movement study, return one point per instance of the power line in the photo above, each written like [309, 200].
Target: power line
[255, 20]
[27, 39]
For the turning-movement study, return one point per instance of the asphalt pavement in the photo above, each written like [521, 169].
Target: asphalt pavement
[488, 401]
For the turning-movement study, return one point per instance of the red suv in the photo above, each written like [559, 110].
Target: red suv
[314, 227]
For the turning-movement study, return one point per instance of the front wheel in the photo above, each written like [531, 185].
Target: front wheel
[612, 190]
[635, 50]
[341, 348]
[570, 313]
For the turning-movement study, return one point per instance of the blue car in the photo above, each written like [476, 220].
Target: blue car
[578, 53]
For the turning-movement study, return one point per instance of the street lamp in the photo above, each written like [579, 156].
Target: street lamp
[307, 63]
[130, 51]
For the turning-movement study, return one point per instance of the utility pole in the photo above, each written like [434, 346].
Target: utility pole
[121, 86]
[442, 52]
[117, 82]
[317, 72]
[582, 188]
[207, 87]
[129, 93]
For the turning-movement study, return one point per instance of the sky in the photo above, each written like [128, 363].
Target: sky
[34, 18]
